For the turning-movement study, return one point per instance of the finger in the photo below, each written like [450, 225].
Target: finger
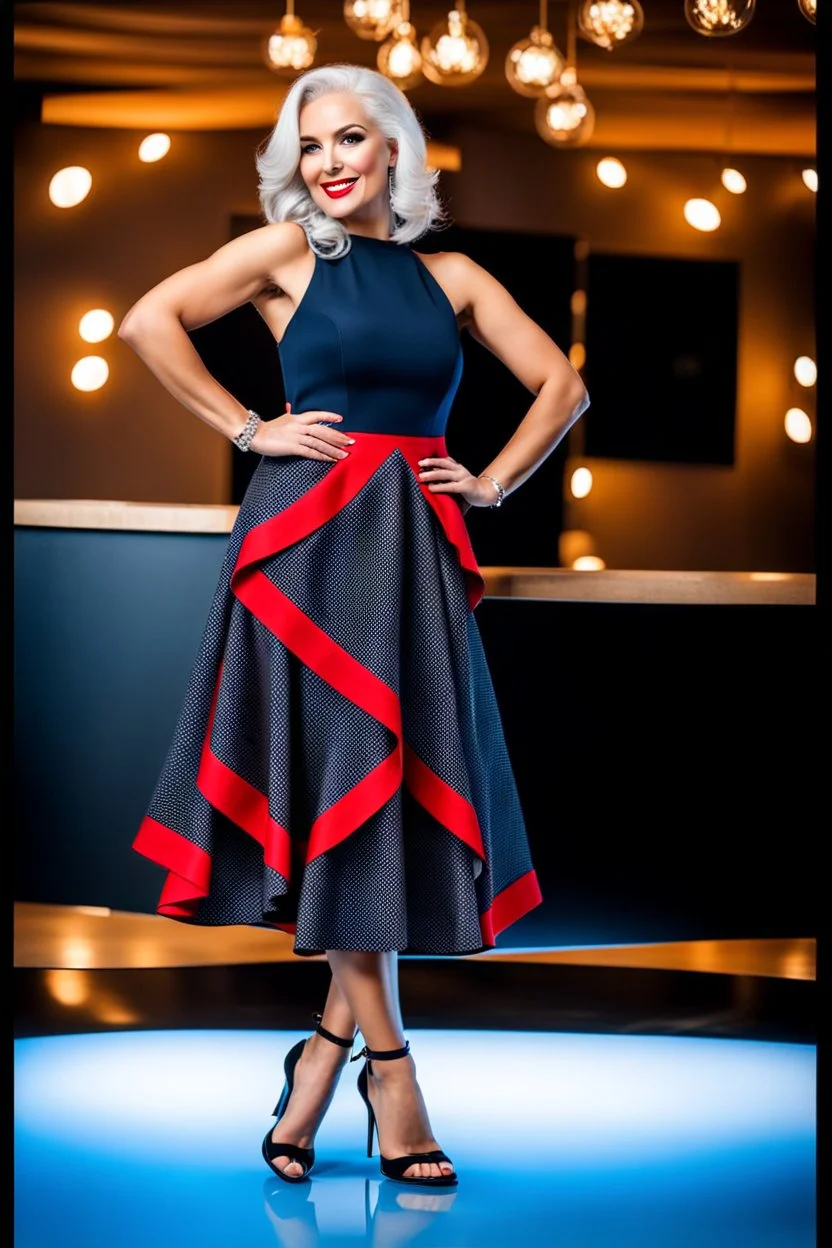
[438, 461]
[309, 452]
[329, 452]
[325, 434]
[315, 418]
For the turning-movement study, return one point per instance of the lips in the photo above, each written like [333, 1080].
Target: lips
[336, 190]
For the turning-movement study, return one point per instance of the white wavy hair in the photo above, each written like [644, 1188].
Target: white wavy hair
[414, 202]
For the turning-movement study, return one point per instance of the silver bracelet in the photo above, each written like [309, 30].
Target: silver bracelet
[500, 489]
[243, 438]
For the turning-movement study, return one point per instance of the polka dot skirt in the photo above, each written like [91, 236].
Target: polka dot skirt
[381, 585]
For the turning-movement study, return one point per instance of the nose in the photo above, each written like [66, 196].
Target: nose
[331, 163]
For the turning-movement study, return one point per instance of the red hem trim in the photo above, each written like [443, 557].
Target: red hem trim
[189, 867]
[509, 905]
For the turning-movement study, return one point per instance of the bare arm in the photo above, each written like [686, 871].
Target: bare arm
[157, 326]
[496, 320]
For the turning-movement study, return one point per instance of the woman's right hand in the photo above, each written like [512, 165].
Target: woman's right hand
[301, 433]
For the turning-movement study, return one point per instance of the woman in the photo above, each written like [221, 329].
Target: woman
[339, 769]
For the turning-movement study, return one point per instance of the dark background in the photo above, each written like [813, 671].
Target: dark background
[661, 358]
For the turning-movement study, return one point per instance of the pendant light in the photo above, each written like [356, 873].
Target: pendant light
[563, 115]
[533, 64]
[456, 51]
[610, 23]
[372, 19]
[291, 45]
[399, 58]
[719, 18]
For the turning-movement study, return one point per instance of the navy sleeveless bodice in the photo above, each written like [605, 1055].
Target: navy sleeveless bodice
[374, 338]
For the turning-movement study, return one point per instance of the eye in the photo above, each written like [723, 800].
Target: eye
[307, 148]
[357, 137]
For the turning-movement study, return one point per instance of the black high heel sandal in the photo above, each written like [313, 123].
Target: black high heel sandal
[304, 1156]
[394, 1167]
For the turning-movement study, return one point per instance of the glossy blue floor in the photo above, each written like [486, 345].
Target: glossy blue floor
[578, 1140]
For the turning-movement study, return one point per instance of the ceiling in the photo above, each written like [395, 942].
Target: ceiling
[199, 65]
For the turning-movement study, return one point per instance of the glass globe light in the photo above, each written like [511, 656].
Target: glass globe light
[809, 9]
[399, 57]
[455, 52]
[716, 18]
[372, 19]
[609, 23]
[533, 64]
[292, 45]
[563, 115]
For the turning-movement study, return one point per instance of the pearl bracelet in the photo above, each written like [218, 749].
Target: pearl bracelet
[501, 493]
[243, 438]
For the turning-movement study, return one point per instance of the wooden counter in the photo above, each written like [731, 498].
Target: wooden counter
[562, 584]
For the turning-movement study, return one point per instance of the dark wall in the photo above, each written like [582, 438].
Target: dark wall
[669, 786]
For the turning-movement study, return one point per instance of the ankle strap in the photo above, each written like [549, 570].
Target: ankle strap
[384, 1055]
[328, 1035]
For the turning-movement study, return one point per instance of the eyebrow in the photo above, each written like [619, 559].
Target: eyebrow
[308, 138]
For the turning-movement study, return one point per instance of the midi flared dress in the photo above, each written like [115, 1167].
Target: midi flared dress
[339, 769]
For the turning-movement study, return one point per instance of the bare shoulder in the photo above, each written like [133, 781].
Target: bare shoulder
[273, 245]
[459, 276]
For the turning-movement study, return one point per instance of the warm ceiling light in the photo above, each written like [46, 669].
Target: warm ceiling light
[580, 482]
[399, 58]
[702, 215]
[577, 303]
[798, 425]
[577, 355]
[90, 373]
[456, 51]
[154, 147]
[611, 172]
[292, 45]
[733, 181]
[67, 987]
[96, 325]
[588, 563]
[533, 64]
[805, 370]
[715, 18]
[69, 186]
[563, 115]
[809, 9]
[372, 19]
[810, 178]
[610, 23]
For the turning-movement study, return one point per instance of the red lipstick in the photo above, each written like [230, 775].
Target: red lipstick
[335, 190]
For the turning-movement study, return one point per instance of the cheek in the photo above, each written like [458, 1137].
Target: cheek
[364, 159]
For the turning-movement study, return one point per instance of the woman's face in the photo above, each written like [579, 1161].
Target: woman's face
[345, 158]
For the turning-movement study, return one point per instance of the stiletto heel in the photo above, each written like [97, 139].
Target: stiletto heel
[394, 1167]
[304, 1156]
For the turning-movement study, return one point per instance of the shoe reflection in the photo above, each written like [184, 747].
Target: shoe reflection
[377, 1213]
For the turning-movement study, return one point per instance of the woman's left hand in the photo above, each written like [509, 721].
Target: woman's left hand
[446, 476]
